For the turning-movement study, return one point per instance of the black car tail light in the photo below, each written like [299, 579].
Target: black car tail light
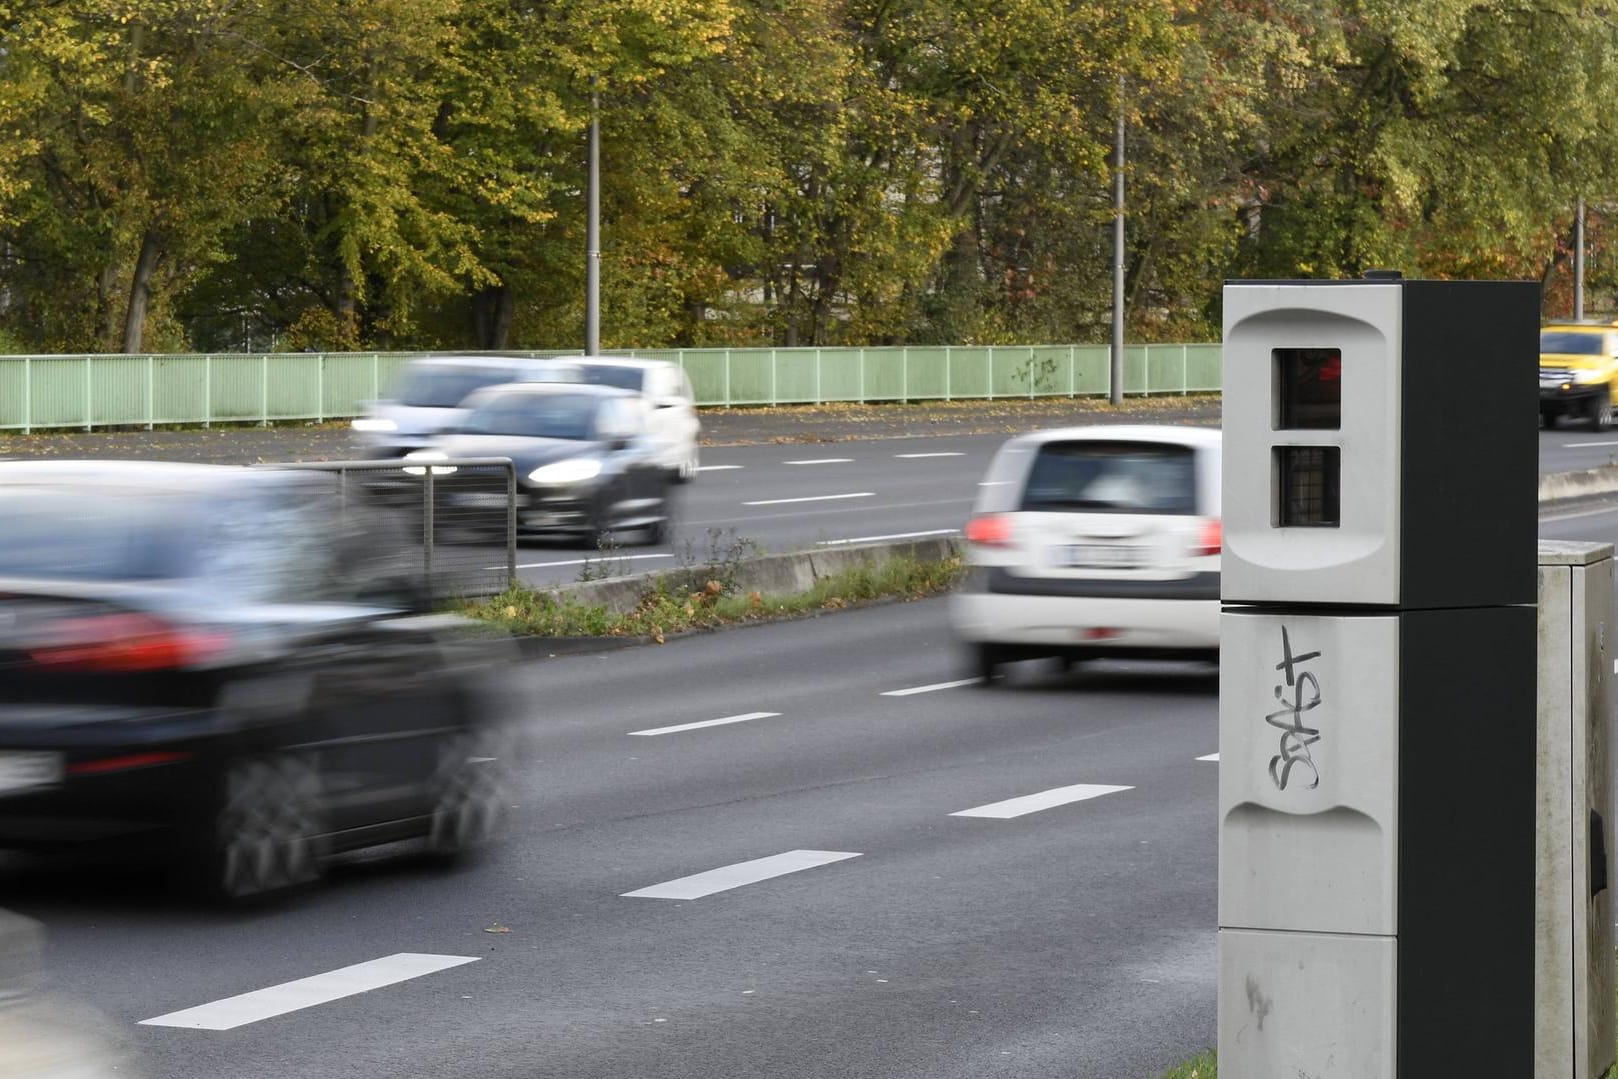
[126, 762]
[125, 642]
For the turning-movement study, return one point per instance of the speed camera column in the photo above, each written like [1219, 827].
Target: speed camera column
[1377, 679]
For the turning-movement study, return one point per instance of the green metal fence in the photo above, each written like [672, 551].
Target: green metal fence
[90, 391]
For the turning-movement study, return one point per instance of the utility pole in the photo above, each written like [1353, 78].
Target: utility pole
[1116, 382]
[1578, 262]
[592, 233]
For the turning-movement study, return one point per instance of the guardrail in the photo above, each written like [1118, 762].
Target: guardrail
[90, 391]
[461, 513]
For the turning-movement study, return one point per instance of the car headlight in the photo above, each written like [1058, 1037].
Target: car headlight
[375, 425]
[428, 455]
[572, 470]
[1584, 378]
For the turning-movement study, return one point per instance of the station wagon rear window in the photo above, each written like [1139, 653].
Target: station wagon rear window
[1112, 477]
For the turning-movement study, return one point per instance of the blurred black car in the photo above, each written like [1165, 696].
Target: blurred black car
[586, 461]
[224, 666]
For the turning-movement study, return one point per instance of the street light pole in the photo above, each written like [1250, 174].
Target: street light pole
[592, 233]
[1116, 382]
[1578, 262]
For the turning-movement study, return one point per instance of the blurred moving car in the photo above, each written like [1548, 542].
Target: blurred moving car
[43, 1036]
[667, 389]
[213, 664]
[1091, 542]
[427, 395]
[587, 463]
[1578, 372]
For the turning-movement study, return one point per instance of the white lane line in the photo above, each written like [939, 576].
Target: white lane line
[1209, 757]
[891, 535]
[707, 723]
[822, 461]
[1033, 803]
[582, 561]
[995, 483]
[718, 468]
[1582, 445]
[734, 876]
[811, 498]
[277, 1000]
[915, 455]
[929, 689]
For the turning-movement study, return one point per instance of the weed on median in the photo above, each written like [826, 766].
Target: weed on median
[674, 606]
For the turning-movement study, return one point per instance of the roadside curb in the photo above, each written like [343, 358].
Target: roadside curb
[1586, 483]
[777, 574]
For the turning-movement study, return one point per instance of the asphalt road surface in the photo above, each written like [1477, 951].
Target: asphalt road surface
[788, 851]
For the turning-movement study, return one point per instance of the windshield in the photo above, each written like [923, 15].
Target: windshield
[1571, 342]
[533, 415]
[624, 378]
[1112, 477]
[444, 386]
[88, 534]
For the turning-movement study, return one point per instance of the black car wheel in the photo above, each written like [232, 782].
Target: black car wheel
[468, 791]
[1601, 411]
[266, 829]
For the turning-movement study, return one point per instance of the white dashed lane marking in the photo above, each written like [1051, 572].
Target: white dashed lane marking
[915, 455]
[735, 876]
[718, 468]
[928, 689]
[277, 1000]
[1033, 803]
[811, 498]
[823, 461]
[743, 718]
[1209, 757]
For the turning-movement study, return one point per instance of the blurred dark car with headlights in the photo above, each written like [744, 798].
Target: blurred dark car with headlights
[221, 666]
[587, 463]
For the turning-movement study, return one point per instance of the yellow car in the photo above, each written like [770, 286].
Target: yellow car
[1578, 372]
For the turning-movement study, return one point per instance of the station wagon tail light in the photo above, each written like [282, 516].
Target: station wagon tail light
[990, 530]
[123, 643]
[1212, 538]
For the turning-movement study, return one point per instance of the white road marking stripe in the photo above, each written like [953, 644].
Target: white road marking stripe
[1209, 757]
[582, 561]
[1033, 803]
[891, 535]
[734, 876]
[708, 723]
[1582, 445]
[718, 468]
[277, 1000]
[822, 461]
[929, 689]
[811, 498]
[914, 455]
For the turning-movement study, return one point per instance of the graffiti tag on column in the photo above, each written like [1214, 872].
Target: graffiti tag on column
[1300, 694]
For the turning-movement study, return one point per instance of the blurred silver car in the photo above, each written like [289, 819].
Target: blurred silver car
[1091, 542]
[671, 411]
[427, 394]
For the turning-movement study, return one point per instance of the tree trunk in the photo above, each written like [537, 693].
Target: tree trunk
[140, 289]
[492, 310]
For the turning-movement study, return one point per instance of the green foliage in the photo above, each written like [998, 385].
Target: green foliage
[411, 173]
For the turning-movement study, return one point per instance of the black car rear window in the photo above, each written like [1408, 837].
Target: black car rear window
[1112, 477]
[84, 534]
[1571, 342]
[428, 386]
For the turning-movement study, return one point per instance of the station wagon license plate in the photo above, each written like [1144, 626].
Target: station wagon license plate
[20, 771]
[1100, 555]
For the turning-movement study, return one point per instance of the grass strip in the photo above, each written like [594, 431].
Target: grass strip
[678, 604]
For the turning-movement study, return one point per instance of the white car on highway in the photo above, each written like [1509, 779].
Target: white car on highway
[672, 417]
[1092, 542]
